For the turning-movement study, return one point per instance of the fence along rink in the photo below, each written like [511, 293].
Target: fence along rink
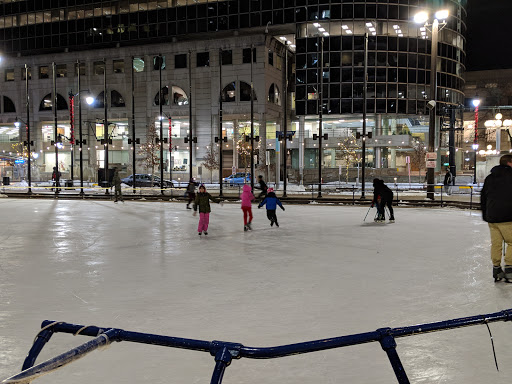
[225, 352]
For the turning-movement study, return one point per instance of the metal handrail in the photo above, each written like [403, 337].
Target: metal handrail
[225, 352]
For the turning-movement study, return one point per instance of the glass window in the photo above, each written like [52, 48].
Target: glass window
[245, 92]
[138, 64]
[61, 70]
[179, 97]
[270, 57]
[246, 55]
[44, 72]
[9, 74]
[158, 62]
[227, 57]
[8, 105]
[162, 98]
[117, 99]
[229, 93]
[99, 67]
[203, 59]
[118, 66]
[180, 61]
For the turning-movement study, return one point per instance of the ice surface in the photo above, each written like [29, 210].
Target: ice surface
[140, 266]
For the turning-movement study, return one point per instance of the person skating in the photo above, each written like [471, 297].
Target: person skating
[448, 181]
[191, 192]
[496, 207]
[202, 201]
[246, 198]
[271, 201]
[262, 187]
[383, 197]
[116, 180]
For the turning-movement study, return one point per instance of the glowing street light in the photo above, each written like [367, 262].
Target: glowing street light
[422, 17]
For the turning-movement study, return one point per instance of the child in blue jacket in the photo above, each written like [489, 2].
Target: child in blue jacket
[272, 202]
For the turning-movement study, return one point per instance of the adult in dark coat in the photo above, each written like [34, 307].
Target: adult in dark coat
[496, 203]
[191, 192]
[383, 197]
[263, 187]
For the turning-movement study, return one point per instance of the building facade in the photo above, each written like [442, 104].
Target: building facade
[304, 60]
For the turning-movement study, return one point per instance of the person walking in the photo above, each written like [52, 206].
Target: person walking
[202, 201]
[56, 179]
[448, 181]
[382, 198]
[262, 187]
[191, 192]
[271, 201]
[116, 180]
[247, 197]
[496, 207]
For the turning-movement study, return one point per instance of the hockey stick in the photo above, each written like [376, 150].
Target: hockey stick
[367, 213]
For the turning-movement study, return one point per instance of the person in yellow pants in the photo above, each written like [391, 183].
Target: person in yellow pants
[497, 212]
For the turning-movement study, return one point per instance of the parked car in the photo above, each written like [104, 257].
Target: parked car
[238, 178]
[144, 180]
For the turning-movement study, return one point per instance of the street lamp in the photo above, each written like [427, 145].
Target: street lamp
[422, 17]
[89, 100]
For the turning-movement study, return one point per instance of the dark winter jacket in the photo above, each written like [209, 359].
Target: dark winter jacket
[272, 202]
[203, 202]
[116, 180]
[191, 188]
[495, 197]
[448, 178]
[382, 190]
[263, 186]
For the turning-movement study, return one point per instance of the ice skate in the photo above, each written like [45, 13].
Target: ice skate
[497, 273]
[392, 219]
[249, 226]
[199, 233]
[188, 206]
[246, 228]
[271, 223]
[507, 272]
[277, 224]
[205, 233]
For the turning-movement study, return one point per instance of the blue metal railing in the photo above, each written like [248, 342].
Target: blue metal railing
[225, 352]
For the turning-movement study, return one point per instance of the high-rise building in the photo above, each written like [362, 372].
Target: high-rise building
[306, 61]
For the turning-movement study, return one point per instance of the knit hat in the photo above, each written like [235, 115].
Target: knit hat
[270, 190]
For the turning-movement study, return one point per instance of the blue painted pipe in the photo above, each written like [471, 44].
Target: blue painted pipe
[224, 352]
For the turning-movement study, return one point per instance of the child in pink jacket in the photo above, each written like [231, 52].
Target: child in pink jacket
[247, 197]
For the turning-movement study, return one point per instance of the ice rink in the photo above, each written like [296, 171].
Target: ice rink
[141, 266]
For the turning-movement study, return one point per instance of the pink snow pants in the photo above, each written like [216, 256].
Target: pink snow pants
[204, 219]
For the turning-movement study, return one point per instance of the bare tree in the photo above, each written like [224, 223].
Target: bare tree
[210, 160]
[418, 157]
[149, 152]
[348, 153]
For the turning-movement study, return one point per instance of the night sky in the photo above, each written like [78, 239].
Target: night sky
[489, 40]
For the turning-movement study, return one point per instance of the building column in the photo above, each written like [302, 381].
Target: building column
[378, 132]
[302, 127]
[393, 158]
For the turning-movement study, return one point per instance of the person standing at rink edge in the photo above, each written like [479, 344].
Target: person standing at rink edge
[382, 198]
[496, 203]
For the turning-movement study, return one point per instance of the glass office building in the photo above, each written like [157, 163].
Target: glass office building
[297, 46]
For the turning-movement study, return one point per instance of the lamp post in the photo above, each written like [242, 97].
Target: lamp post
[55, 133]
[422, 18]
[89, 100]
[29, 143]
[105, 127]
[476, 104]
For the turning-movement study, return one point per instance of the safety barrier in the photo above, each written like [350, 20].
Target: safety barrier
[225, 352]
